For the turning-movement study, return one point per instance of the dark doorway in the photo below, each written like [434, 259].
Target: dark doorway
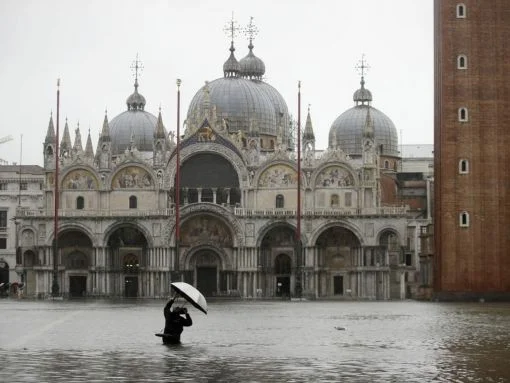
[206, 280]
[338, 285]
[131, 287]
[282, 286]
[77, 286]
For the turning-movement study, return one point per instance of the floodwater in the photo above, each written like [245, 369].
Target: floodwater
[256, 341]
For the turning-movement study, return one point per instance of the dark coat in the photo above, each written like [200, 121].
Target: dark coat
[174, 322]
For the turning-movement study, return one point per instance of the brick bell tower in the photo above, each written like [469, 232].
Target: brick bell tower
[472, 150]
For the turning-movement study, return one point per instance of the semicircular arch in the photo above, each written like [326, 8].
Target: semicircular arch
[132, 175]
[334, 174]
[70, 226]
[186, 261]
[80, 177]
[110, 230]
[187, 152]
[345, 225]
[264, 230]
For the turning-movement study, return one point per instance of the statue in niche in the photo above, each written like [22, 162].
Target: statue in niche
[367, 148]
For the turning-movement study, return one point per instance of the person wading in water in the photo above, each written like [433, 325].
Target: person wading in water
[175, 322]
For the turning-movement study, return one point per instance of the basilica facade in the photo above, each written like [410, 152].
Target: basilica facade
[240, 230]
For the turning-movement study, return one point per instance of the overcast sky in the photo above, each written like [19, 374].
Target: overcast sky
[91, 45]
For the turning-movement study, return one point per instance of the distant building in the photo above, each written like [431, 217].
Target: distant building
[359, 224]
[472, 155]
[21, 188]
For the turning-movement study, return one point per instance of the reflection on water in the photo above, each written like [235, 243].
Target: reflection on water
[96, 341]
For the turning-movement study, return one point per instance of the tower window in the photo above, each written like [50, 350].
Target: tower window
[463, 166]
[464, 219]
[462, 62]
[80, 203]
[133, 202]
[463, 115]
[280, 201]
[461, 11]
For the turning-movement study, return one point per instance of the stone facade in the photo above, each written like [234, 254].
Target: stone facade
[235, 200]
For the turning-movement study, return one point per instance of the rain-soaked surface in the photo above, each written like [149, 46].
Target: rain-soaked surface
[256, 341]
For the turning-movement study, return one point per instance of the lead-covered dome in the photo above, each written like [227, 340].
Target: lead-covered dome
[242, 99]
[133, 126]
[251, 66]
[346, 132]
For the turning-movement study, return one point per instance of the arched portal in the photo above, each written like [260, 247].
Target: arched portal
[127, 256]
[75, 255]
[338, 249]
[206, 263]
[279, 261]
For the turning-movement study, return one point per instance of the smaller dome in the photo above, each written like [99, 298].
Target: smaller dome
[135, 101]
[362, 95]
[231, 67]
[251, 65]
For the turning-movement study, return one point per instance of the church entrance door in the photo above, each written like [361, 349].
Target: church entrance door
[77, 286]
[207, 280]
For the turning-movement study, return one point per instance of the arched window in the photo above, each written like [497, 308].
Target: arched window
[464, 219]
[462, 62]
[463, 115]
[386, 164]
[280, 201]
[80, 203]
[463, 166]
[133, 202]
[461, 11]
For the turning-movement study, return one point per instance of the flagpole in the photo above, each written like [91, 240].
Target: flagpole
[55, 287]
[298, 213]
[20, 169]
[178, 180]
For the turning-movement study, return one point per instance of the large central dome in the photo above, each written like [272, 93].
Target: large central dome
[242, 99]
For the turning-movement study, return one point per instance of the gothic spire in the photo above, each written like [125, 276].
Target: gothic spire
[65, 144]
[308, 133]
[159, 132]
[50, 134]
[89, 151]
[77, 139]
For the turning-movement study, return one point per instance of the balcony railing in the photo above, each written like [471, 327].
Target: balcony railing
[238, 211]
